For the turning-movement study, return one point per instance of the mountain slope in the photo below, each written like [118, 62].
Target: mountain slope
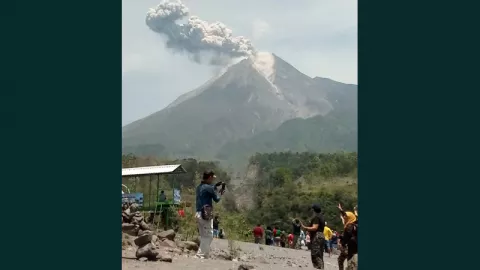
[330, 133]
[248, 98]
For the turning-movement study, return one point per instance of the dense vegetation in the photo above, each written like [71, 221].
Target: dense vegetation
[285, 186]
[290, 182]
[336, 131]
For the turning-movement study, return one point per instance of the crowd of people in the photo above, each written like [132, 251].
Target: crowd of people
[316, 235]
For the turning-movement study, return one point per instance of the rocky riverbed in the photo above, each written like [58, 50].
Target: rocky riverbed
[175, 255]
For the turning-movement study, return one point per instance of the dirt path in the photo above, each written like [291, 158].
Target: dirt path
[260, 256]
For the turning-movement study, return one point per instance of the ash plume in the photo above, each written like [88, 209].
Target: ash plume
[198, 38]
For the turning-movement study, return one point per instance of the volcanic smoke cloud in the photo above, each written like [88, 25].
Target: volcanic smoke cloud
[196, 36]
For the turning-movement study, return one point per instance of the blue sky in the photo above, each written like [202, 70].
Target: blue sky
[318, 37]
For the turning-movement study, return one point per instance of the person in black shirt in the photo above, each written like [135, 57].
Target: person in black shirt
[296, 232]
[317, 238]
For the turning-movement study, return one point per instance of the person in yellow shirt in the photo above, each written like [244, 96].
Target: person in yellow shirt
[327, 232]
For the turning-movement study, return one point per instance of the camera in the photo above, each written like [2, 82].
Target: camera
[223, 184]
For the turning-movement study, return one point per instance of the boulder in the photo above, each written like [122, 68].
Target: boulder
[148, 251]
[245, 267]
[169, 234]
[143, 240]
[130, 229]
[164, 257]
[137, 218]
[142, 232]
[144, 225]
[190, 245]
[127, 226]
[167, 243]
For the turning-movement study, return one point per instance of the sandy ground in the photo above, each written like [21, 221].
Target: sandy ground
[261, 257]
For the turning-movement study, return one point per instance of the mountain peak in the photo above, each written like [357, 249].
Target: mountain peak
[264, 63]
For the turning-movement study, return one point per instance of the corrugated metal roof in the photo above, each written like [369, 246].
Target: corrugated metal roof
[163, 169]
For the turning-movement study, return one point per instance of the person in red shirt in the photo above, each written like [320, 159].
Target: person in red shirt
[290, 240]
[258, 233]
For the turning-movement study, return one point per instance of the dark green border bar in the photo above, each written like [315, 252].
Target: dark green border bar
[418, 135]
[66, 152]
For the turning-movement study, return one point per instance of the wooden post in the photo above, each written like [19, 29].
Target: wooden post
[150, 194]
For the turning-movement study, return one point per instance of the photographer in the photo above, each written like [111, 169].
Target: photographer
[206, 194]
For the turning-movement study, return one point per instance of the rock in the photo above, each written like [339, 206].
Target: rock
[133, 208]
[137, 219]
[129, 229]
[261, 260]
[142, 232]
[132, 232]
[169, 234]
[148, 251]
[143, 240]
[167, 243]
[190, 245]
[144, 225]
[164, 258]
[245, 267]
[154, 238]
[174, 250]
[127, 226]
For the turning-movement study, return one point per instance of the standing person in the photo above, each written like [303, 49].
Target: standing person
[258, 233]
[302, 238]
[348, 240]
[290, 240]
[327, 232]
[268, 236]
[316, 236]
[216, 222]
[276, 236]
[297, 229]
[283, 238]
[333, 241]
[162, 197]
[206, 194]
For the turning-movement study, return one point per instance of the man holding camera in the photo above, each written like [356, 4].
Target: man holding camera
[206, 194]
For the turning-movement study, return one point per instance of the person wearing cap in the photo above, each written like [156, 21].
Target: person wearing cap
[206, 194]
[317, 238]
